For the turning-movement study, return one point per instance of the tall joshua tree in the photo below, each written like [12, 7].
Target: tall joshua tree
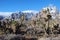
[48, 20]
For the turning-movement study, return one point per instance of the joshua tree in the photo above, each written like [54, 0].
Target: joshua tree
[47, 19]
[22, 18]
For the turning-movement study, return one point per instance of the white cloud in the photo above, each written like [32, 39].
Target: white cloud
[30, 11]
[6, 13]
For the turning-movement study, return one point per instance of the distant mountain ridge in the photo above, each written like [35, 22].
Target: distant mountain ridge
[28, 14]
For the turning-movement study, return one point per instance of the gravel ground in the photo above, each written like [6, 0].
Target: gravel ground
[12, 36]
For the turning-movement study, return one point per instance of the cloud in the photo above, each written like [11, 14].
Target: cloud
[30, 11]
[6, 13]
